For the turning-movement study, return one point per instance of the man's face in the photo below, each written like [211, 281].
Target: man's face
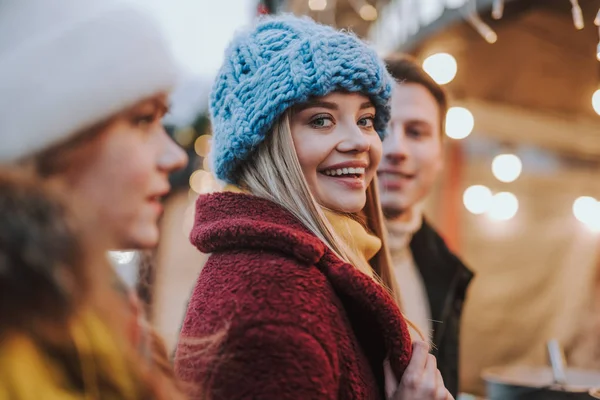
[412, 151]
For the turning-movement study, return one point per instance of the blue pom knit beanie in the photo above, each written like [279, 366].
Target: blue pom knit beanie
[281, 62]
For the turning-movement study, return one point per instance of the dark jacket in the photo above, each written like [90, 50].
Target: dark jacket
[297, 322]
[446, 279]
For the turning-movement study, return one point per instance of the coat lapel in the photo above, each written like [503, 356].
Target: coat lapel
[371, 298]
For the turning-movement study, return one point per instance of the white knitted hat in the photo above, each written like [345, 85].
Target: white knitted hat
[66, 65]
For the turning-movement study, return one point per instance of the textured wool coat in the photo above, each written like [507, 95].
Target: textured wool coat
[290, 319]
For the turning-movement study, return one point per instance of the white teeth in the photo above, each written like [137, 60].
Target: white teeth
[345, 171]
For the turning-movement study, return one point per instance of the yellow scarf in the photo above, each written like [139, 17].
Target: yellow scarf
[27, 373]
[356, 236]
[349, 230]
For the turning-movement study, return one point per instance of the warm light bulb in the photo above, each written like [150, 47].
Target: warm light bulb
[198, 180]
[317, 5]
[577, 15]
[206, 164]
[584, 208]
[202, 145]
[477, 199]
[507, 167]
[459, 123]
[490, 36]
[441, 67]
[368, 12]
[587, 211]
[504, 206]
[184, 136]
[596, 101]
[482, 28]
[497, 9]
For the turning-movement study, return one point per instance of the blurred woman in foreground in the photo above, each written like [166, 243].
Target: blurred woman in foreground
[83, 88]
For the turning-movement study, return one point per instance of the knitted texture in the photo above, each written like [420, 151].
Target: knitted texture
[284, 61]
[294, 321]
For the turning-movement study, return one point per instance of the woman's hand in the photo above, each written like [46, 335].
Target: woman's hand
[422, 380]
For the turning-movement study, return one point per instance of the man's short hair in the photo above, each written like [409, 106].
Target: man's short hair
[405, 69]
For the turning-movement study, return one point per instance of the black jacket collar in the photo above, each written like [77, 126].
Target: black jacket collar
[445, 276]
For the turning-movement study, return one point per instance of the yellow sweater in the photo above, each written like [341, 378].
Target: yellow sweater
[28, 373]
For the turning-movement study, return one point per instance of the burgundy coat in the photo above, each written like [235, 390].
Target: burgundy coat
[297, 322]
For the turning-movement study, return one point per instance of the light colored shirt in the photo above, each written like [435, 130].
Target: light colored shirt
[413, 294]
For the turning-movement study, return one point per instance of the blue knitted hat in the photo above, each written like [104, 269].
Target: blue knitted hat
[281, 62]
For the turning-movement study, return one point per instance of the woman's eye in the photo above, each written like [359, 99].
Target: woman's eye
[321, 122]
[143, 120]
[414, 133]
[368, 122]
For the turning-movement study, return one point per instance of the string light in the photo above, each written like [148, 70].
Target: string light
[583, 207]
[477, 199]
[364, 9]
[577, 15]
[586, 210]
[596, 101]
[497, 9]
[368, 12]
[198, 181]
[441, 67]
[202, 145]
[504, 206]
[317, 5]
[459, 123]
[206, 164]
[184, 136]
[597, 19]
[481, 27]
[507, 167]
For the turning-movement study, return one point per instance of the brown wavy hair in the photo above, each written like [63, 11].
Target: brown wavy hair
[42, 268]
[48, 276]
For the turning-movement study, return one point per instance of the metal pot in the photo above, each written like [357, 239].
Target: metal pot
[536, 383]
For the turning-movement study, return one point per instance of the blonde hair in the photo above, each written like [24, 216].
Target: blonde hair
[274, 173]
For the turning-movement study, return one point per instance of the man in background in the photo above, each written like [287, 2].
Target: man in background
[432, 280]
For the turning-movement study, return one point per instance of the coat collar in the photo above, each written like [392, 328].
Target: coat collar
[229, 221]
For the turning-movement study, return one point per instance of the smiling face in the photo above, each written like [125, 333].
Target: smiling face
[412, 151]
[338, 148]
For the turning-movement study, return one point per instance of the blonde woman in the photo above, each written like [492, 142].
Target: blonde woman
[299, 277]
[83, 88]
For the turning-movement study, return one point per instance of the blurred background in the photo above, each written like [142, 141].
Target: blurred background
[519, 197]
